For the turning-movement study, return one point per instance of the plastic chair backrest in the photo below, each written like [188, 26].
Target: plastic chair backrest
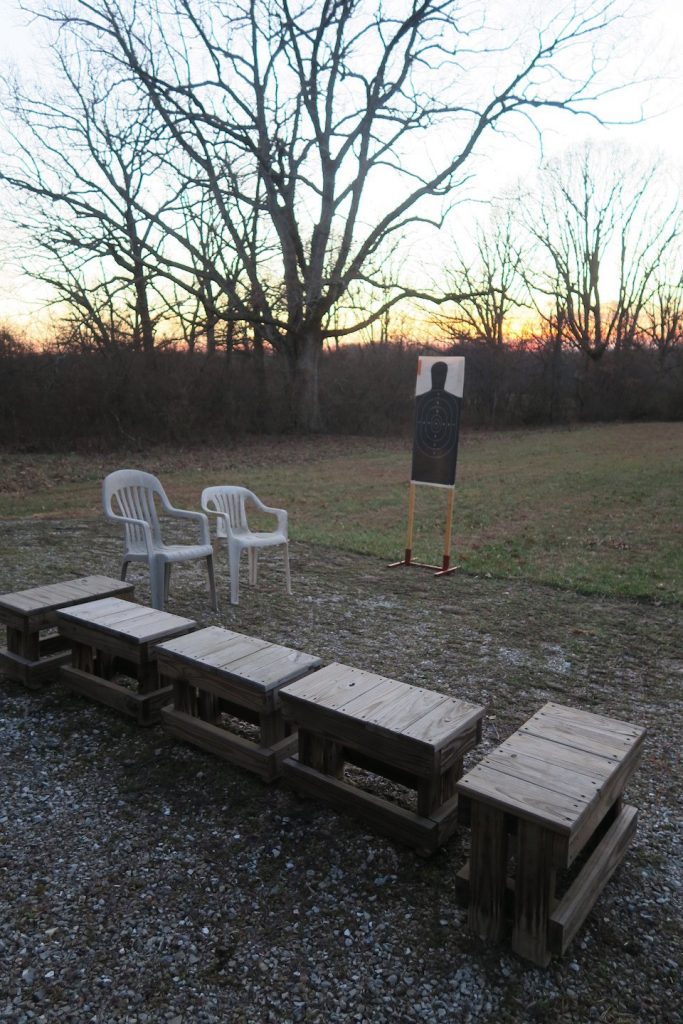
[130, 492]
[231, 501]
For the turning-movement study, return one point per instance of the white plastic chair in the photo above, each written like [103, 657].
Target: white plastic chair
[228, 505]
[129, 497]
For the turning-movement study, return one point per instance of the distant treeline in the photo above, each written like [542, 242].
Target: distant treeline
[57, 402]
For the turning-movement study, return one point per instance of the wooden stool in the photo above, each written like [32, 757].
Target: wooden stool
[413, 736]
[555, 787]
[215, 671]
[112, 636]
[34, 660]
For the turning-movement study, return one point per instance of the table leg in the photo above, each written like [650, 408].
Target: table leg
[148, 676]
[488, 872]
[207, 706]
[24, 643]
[82, 656]
[272, 727]
[323, 755]
[534, 891]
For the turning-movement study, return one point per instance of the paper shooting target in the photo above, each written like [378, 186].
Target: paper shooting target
[438, 403]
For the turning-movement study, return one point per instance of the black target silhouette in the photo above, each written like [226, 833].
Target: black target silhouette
[437, 426]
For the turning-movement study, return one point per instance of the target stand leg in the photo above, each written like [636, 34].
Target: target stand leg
[446, 567]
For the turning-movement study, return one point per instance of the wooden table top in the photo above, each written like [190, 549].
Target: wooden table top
[236, 656]
[556, 767]
[132, 622]
[59, 595]
[384, 706]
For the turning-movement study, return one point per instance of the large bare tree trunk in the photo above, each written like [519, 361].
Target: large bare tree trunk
[304, 382]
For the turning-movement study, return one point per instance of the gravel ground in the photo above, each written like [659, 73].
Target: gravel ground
[143, 881]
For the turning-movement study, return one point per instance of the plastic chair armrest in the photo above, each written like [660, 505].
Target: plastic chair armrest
[131, 521]
[197, 517]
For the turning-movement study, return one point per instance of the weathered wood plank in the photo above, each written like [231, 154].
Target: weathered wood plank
[523, 799]
[488, 869]
[366, 706]
[392, 748]
[32, 674]
[578, 737]
[117, 646]
[534, 890]
[404, 708]
[121, 618]
[333, 686]
[610, 792]
[240, 692]
[100, 610]
[405, 826]
[144, 708]
[275, 666]
[568, 916]
[263, 761]
[589, 719]
[443, 719]
[558, 780]
[196, 645]
[580, 762]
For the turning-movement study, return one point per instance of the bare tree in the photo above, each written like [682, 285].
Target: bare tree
[661, 323]
[318, 130]
[603, 232]
[82, 160]
[489, 280]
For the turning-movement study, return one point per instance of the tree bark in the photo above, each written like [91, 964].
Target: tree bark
[304, 367]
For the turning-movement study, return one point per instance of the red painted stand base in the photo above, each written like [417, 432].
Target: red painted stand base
[445, 569]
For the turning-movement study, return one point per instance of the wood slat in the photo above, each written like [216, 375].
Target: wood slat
[390, 819]
[576, 736]
[444, 719]
[368, 705]
[402, 709]
[275, 666]
[521, 798]
[222, 661]
[263, 761]
[132, 621]
[332, 686]
[558, 780]
[202, 642]
[592, 720]
[144, 708]
[95, 611]
[557, 755]
[568, 916]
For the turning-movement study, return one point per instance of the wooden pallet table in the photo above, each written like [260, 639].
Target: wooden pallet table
[112, 640]
[32, 656]
[403, 733]
[215, 672]
[550, 796]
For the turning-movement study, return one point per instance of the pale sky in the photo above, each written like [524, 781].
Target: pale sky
[655, 50]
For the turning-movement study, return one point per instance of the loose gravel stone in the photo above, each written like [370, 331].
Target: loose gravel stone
[143, 881]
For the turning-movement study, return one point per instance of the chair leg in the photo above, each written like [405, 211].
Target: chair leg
[253, 566]
[167, 579]
[212, 582]
[234, 552]
[157, 578]
[288, 578]
[124, 568]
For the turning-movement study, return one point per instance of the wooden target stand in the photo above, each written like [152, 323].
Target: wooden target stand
[445, 568]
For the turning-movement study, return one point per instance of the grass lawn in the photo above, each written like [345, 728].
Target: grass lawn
[597, 509]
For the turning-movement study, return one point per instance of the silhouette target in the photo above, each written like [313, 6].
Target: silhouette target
[437, 427]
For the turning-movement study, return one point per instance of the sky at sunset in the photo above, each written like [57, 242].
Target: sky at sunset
[655, 45]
